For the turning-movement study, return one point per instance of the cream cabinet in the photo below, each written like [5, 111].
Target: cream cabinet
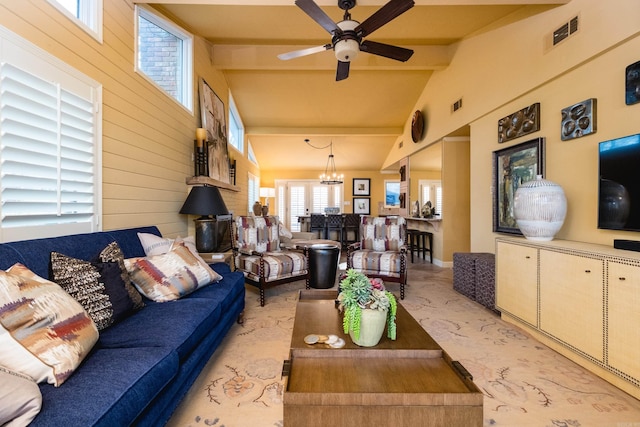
[580, 299]
[572, 300]
[517, 281]
[624, 318]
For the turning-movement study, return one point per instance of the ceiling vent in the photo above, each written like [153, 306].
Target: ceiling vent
[567, 29]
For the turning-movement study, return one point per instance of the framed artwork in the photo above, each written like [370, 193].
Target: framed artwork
[392, 194]
[213, 120]
[361, 186]
[520, 123]
[579, 119]
[361, 205]
[632, 84]
[511, 167]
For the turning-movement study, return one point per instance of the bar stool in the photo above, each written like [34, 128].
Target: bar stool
[351, 223]
[333, 224]
[318, 224]
[417, 241]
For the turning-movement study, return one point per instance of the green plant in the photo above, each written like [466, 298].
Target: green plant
[357, 292]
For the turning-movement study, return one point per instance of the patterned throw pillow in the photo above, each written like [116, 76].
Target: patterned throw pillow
[44, 332]
[156, 245]
[20, 398]
[98, 286]
[113, 253]
[170, 276]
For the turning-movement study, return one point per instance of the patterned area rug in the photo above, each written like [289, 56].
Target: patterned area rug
[524, 382]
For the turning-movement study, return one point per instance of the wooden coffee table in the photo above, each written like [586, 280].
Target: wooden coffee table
[407, 382]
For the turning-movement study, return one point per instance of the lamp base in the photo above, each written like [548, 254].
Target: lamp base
[205, 234]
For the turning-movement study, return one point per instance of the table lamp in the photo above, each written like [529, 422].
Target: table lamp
[207, 202]
[267, 192]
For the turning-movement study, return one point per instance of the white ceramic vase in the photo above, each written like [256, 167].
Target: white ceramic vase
[372, 326]
[540, 207]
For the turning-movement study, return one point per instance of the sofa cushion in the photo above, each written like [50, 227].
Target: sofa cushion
[179, 324]
[225, 290]
[113, 253]
[20, 398]
[170, 276]
[111, 388]
[44, 332]
[277, 265]
[98, 286]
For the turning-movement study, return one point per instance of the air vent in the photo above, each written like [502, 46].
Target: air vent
[456, 105]
[565, 30]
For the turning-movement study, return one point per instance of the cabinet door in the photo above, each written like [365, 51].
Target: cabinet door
[624, 318]
[517, 281]
[572, 299]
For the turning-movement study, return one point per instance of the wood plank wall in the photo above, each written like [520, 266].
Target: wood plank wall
[147, 136]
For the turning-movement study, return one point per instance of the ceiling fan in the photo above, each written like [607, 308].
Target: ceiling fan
[347, 35]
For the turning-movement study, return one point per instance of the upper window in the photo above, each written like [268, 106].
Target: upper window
[250, 154]
[86, 13]
[49, 145]
[236, 128]
[164, 54]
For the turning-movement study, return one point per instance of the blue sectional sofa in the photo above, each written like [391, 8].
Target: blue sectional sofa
[141, 367]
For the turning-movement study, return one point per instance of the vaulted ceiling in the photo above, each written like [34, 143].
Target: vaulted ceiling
[282, 103]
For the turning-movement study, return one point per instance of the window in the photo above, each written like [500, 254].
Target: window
[250, 154]
[236, 128]
[49, 145]
[254, 191]
[164, 55]
[87, 14]
[300, 198]
[431, 191]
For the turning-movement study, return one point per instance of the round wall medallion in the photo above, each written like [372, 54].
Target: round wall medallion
[417, 126]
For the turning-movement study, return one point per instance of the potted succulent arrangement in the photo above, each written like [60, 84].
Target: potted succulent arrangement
[367, 308]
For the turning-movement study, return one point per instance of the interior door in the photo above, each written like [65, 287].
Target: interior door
[301, 198]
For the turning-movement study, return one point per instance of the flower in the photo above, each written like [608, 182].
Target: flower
[357, 292]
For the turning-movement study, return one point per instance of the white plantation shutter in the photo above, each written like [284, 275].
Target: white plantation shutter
[320, 198]
[48, 152]
[253, 191]
[297, 204]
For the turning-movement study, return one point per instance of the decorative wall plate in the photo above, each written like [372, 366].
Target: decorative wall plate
[417, 126]
[519, 123]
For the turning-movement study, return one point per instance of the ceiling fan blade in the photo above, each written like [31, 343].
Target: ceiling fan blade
[303, 52]
[386, 13]
[343, 71]
[318, 15]
[386, 50]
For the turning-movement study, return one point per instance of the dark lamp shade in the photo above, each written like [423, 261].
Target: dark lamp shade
[204, 201]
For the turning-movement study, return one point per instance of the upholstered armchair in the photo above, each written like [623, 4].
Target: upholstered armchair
[381, 251]
[257, 254]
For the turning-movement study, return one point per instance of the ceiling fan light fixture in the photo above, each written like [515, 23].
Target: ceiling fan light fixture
[347, 50]
[346, 45]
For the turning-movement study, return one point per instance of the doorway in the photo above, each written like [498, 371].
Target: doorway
[300, 198]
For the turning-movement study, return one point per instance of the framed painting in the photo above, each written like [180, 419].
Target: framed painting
[212, 112]
[213, 120]
[511, 167]
[392, 194]
[361, 205]
[361, 186]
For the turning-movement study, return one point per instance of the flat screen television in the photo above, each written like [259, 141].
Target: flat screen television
[619, 184]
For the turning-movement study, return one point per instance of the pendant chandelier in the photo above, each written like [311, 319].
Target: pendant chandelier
[330, 176]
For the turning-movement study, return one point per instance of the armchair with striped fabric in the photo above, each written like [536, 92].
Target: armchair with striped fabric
[257, 254]
[381, 251]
